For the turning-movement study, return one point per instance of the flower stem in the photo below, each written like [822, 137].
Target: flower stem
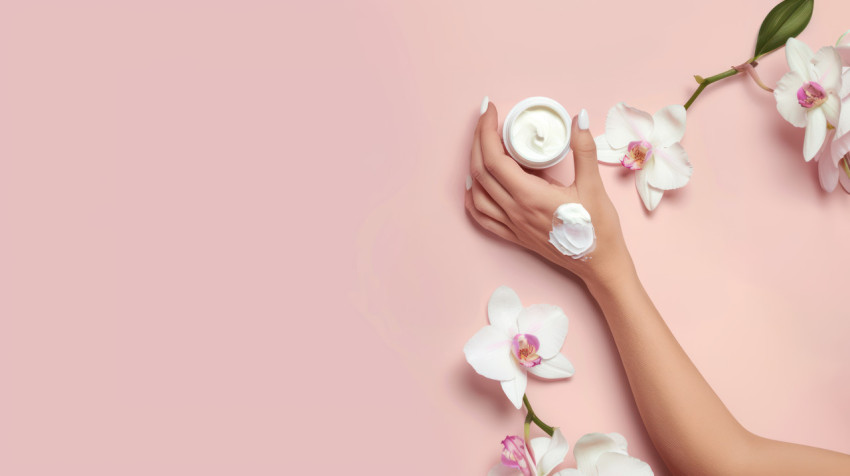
[527, 428]
[533, 417]
[705, 82]
[750, 69]
[526, 434]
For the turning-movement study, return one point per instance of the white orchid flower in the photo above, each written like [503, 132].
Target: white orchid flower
[518, 340]
[808, 95]
[841, 140]
[834, 156]
[516, 459]
[599, 454]
[649, 145]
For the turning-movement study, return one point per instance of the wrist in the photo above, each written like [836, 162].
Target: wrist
[613, 280]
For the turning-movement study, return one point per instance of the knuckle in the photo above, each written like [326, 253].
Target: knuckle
[477, 171]
[478, 202]
[586, 145]
[488, 225]
[524, 225]
[586, 149]
[525, 205]
[519, 216]
[493, 228]
[522, 197]
[534, 219]
[490, 164]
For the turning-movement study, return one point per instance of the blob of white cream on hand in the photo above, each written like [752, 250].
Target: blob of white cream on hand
[537, 132]
[572, 231]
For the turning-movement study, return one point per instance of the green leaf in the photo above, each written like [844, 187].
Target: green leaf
[786, 20]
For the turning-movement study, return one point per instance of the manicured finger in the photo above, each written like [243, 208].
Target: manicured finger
[489, 224]
[486, 205]
[479, 170]
[501, 166]
[584, 152]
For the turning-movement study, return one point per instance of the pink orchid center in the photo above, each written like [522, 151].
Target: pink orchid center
[515, 455]
[811, 95]
[525, 347]
[636, 154]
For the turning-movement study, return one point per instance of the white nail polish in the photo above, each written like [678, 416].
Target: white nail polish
[468, 182]
[485, 104]
[583, 120]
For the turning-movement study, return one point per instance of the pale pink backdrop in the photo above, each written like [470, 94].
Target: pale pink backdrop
[232, 238]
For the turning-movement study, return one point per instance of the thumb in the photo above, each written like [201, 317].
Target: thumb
[584, 152]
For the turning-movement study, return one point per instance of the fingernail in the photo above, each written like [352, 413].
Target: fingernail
[583, 120]
[468, 182]
[485, 104]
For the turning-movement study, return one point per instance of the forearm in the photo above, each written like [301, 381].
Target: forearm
[689, 425]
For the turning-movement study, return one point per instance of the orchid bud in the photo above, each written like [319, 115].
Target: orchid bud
[515, 455]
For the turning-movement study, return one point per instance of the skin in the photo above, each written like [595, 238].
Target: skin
[690, 426]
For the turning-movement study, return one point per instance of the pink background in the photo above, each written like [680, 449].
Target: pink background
[232, 238]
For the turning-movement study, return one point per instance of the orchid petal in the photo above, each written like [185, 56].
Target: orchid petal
[515, 388]
[841, 143]
[554, 453]
[669, 125]
[591, 446]
[626, 124]
[831, 109]
[503, 308]
[569, 472]
[605, 154]
[554, 368]
[650, 195]
[815, 133]
[799, 56]
[546, 322]
[827, 172]
[828, 151]
[827, 63]
[786, 99]
[843, 179]
[844, 53]
[842, 129]
[616, 464]
[619, 440]
[843, 126]
[669, 168]
[845, 81]
[539, 446]
[489, 353]
[840, 148]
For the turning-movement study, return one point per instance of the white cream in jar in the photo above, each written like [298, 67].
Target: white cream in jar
[537, 132]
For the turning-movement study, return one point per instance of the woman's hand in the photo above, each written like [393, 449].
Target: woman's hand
[519, 206]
